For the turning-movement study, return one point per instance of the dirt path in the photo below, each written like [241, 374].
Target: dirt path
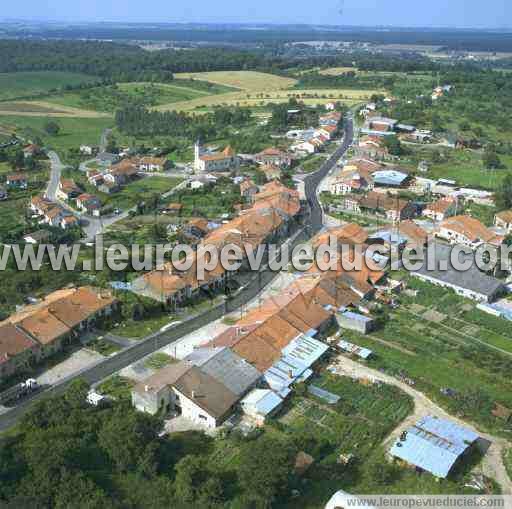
[492, 463]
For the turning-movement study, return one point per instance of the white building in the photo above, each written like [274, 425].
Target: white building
[216, 161]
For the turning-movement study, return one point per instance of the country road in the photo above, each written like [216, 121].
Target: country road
[249, 290]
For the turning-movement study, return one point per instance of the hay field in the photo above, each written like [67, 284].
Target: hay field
[243, 80]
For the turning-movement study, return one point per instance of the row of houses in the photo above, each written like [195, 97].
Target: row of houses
[69, 191]
[253, 365]
[41, 330]
[52, 214]
[310, 141]
[273, 211]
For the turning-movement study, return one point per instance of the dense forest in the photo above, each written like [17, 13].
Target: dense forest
[118, 62]
[139, 121]
[68, 454]
[471, 40]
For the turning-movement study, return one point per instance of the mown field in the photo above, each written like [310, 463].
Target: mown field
[29, 84]
[73, 131]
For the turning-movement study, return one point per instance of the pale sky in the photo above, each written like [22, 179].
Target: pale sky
[460, 13]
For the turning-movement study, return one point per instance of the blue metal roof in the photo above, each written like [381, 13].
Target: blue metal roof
[264, 401]
[361, 352]
[389, 177]
[434, 445]
[297, 358]
[356, 317]
[331, 398]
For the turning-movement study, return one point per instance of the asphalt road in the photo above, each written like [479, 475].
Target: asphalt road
[55, 172]
[250, 289]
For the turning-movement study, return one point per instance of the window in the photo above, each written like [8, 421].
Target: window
[203, 417]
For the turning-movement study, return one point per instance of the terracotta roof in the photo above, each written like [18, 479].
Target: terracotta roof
[413, 232]
[156, 161]
[44, 327]
[365, 164]
[14, 177]
[174, 206]
[199, 223]
[13, 342]
[440, 206]
[83, 303]
[69, 186]
[382, 201]
[470, 227]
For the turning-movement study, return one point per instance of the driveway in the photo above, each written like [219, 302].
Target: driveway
[492, 463]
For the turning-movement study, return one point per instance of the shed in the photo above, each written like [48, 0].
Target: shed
[261, 404]
[355, 321]
[434, 445]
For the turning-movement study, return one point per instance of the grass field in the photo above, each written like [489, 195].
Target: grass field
[335, 71]
[108, 99]
[73, 131]
[49, 109]
[464, 166]
[30, 84]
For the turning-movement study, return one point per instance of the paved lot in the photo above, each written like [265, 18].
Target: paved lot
[77, 361]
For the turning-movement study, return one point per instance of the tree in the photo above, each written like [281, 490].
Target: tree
[126, 436]
[490, 157]
[52, 128]
[392, 143]
[266, 466]
[503, 196]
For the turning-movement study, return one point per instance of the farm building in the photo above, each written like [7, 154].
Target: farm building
[355, 322]
[390, 178]
[362, 353]
[434, 445]
[470, 283]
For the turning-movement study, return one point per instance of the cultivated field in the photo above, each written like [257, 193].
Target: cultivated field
[243, 80]
[335, 71]
[36, 108]
[256, 90]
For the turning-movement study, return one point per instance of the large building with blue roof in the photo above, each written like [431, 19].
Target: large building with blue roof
[434, 445]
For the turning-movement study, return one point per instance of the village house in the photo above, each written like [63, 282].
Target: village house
[88, 150]
[16, 181]
[331, 119]
[32, 150]
[68, 190]
[503, 220]
[51, 213]
[352, 180]
[95, 178]
[467, 231]
[121, 173]
[392, 208]
[152, 164]
[89, 204]
[273, 156]
[441, 209]
[204, 161]
[17, 350]
[203, 388]
[307, 147]
[381, 124]
[40, 330]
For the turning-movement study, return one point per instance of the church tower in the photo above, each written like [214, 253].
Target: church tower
[197, 154]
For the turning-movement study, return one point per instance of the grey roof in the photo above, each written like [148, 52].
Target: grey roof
[226, 367]
[390, 177]
[434, 445]
[472, 279]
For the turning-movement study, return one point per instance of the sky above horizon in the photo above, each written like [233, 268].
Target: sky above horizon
[459, 13]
